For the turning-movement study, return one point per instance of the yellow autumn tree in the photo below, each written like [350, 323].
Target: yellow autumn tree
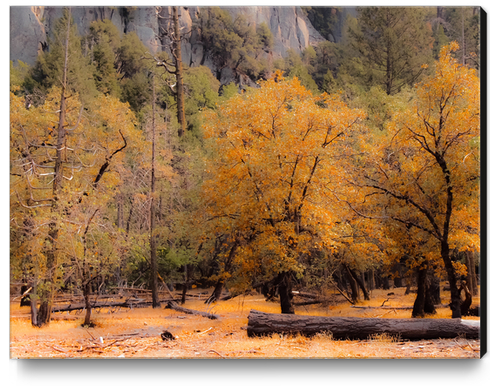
[420, 176]
[272, 165]
[50, 223]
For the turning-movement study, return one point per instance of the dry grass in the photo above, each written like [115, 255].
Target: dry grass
[199, 337]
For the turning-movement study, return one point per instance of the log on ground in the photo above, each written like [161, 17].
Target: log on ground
[172, 305]
[261, 323]
[129, 303]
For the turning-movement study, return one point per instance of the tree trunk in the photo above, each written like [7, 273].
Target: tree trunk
[433, 291]
[353, 285]
[471, 277]
[44, 312]
[261, 323]
[284, 288]
[179, 73]
[153, 248]
[453, 285]
[418, 306]
[465, 305]
[88, 306]
[398, 279]
[360, 283]
[221, 282]
[371, 280]
[216, 293]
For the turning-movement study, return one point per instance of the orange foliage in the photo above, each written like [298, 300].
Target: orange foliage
[273, 164]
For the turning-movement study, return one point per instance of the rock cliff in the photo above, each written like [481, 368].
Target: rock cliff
[31, 26]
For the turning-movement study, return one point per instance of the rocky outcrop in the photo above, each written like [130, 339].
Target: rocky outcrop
[30, 26]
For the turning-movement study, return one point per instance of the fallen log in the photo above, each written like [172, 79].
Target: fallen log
[261, 323]
[81, 306]
[309, 302]
[173, 306]
[395, 308]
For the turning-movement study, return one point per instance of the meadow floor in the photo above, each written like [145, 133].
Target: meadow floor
[136, 333]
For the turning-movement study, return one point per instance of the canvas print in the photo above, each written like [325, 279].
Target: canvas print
[245, 182]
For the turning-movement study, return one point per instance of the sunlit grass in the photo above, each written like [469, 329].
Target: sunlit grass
[198, 337]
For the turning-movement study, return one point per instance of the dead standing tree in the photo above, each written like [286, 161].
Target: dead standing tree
[174, 37]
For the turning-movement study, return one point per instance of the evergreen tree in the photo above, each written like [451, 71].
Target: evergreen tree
[393, 43]
[48, 69]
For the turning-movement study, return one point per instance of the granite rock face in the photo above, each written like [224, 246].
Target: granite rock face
[31, 26]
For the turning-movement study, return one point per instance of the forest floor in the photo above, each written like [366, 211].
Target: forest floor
[136, 333]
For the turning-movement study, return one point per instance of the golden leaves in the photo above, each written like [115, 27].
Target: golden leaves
[273, 155]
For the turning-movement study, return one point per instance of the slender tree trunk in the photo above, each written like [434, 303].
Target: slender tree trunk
[179, 73]
[153, 253]
[120, 210]
[472, 279]
[184, 289]
[88, 305]
[398, 279]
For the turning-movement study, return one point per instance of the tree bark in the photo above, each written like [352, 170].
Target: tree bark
[179, 73]
[433, 292]
[261, 323]
[353, 285]
[360, 283]
[46, 300]
[284, 288]
[88, 305]
[471, 277]
[153, 248]
[418, 306]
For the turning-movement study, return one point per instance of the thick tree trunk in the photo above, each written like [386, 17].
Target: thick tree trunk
[433, 290]
[284, 287]
[418, 306]
[261, 323]
[453, 285]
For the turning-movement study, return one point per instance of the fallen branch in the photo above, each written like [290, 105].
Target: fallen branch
[173, 306]
[216, 352]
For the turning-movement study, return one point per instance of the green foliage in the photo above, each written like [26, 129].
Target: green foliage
[296, 68]
[234, 43]
[18, 74]
[228, 91]
[105, 43]
[393, 43]
[202, 89]
[324, 19]
[48, 69]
